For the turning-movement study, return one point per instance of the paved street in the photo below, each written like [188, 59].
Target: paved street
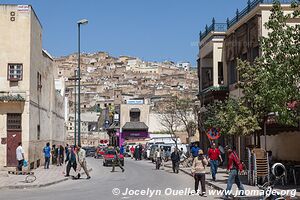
[138, 175]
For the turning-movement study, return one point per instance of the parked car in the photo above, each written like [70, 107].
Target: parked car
[89, 151]
[100, 152]
[109, 156]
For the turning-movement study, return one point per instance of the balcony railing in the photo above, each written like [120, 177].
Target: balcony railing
[218, 27]
[250, 7]
[222, 27]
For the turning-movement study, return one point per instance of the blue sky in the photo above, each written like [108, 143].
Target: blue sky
[154, 30]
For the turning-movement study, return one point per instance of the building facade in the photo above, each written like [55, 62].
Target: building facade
[31, 110]
[239, 39]
[211, 73]
[134, 121]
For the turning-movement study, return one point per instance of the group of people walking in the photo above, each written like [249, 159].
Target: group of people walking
[200, 162]
[161, 155]
[136, 152]
[73, 156]
[215, 157]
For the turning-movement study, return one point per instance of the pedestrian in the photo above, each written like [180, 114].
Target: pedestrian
[198, 172]
[61, 155]
[78, 166]
[233, 168]
[163, 157]
[140, 151]
[214, 155]
[71, 159]
[54, 154]
[116, 161]
[195, 149]
[175, 157]
[157, 158]
[20, 157]
[136, 152]
[66, 150]
[58, 153]
[132, 149]
[122, 150]
[222, 151]
[181, 151]
[82, 161]
[47, 155]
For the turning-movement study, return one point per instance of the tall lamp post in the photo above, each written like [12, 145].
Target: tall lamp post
[80, 22]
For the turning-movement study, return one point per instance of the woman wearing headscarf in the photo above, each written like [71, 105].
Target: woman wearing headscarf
[198, 171]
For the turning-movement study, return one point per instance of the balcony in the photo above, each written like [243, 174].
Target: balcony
[250, 7]
[214, 27]
[222, 27]
[213, 93]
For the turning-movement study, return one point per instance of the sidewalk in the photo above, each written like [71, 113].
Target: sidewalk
[44, 177]
[221, 182]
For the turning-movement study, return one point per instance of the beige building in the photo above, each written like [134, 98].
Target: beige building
[31, 110]
[134, 112]
[240, 39]
[210, 64]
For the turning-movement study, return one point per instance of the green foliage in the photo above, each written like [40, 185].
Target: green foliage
[272, 81]
[232, 117]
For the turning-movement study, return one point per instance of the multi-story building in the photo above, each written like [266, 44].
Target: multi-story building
[31, 110]
[240, 39]
[186, 66]
[132, 122]
[211, 73]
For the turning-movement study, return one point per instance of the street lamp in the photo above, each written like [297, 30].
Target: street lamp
[80, 22]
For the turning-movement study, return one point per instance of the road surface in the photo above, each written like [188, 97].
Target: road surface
[139, 181]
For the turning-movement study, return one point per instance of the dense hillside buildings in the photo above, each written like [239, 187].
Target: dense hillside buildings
[109, 82]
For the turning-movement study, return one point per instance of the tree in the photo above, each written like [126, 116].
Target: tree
[272, 81]
[185, 113]
[169, 119]
[232, 117]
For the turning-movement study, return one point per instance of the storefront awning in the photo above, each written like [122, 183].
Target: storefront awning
[10, 98]
[134, 126]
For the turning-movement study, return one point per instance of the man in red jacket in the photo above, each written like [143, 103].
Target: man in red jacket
[132, 151]
[233, 168]
[214, 156]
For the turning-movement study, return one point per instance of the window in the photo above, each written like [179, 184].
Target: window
[39, 81]
[15, 72]
[233, 72]
[135, 116]
[220, 73]
[38, 132]
[14, 122]
[207, 79]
